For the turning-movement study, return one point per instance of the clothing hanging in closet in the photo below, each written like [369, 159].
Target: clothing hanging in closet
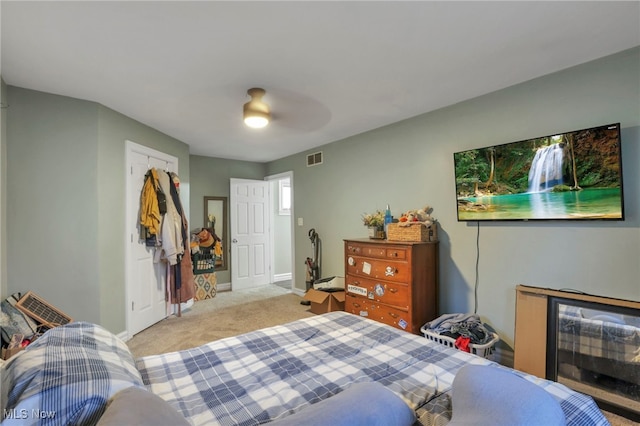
[163, 225]
[150, 217]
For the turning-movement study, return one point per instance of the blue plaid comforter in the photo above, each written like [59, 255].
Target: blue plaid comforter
[265, 375]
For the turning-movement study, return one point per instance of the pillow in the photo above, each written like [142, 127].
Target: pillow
[70, 372]
[490, 395]
[139, 407]
[367, 403]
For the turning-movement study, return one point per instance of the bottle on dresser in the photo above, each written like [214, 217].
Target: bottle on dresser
[387, 219]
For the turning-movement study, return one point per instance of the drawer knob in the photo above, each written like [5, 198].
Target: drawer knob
[356, 305]
[392, 315]
[393, 290]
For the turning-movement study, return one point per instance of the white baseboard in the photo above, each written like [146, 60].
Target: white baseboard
[276, 278]
[282, 277]
[183, 306]
[124, 336]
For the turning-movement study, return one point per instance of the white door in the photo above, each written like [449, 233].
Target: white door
[250, 217]
[145, 280]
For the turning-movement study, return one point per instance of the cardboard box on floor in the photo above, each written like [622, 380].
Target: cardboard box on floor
[324, 301]
[15, 346]
[8, 353]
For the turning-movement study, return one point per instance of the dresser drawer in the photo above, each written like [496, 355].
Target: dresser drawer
[396, 253]
[378, 269]
[378, 312]
[394, 294]
[366, 250]
[375, 250]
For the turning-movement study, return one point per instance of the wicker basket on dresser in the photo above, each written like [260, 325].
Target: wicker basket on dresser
[393, 282]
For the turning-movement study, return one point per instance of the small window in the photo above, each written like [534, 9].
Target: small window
[284, 197]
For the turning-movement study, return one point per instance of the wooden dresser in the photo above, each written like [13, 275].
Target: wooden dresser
[393, 282]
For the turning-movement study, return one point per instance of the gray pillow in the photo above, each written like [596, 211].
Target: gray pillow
[490, 395]
[368, 403]
[138, 407]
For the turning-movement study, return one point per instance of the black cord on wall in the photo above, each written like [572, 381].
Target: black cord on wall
[475, 291]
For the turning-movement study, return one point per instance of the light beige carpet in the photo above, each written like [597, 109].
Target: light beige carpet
[232, 313]
[227, 314]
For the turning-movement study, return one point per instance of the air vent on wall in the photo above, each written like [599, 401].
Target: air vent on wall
[314, 159]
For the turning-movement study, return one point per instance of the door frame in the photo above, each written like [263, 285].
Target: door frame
[275, 178]
[130, 234]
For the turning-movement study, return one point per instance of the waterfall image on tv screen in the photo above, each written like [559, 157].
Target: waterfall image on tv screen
[574, 175]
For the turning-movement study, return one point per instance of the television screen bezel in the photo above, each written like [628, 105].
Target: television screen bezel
[560, 219]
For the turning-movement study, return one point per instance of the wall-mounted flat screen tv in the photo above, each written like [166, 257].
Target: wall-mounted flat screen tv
[567, 176]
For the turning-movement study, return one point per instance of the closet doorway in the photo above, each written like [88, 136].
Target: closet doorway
[282, 226]
[145, 281]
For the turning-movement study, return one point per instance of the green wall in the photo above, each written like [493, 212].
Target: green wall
[52, 200]
[66, 201]
[410, 163]
[3, 189]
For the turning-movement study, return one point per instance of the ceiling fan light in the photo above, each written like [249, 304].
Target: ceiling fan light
[256, 112]
[256, 122]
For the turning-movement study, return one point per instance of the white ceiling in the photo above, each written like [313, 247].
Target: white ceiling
[331, 69]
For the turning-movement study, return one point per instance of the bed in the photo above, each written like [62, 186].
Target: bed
[259, 377]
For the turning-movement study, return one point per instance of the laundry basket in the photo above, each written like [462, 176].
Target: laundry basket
[483, 350]
[203, 262]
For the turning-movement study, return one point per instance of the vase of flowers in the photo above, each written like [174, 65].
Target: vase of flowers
[375, 223]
